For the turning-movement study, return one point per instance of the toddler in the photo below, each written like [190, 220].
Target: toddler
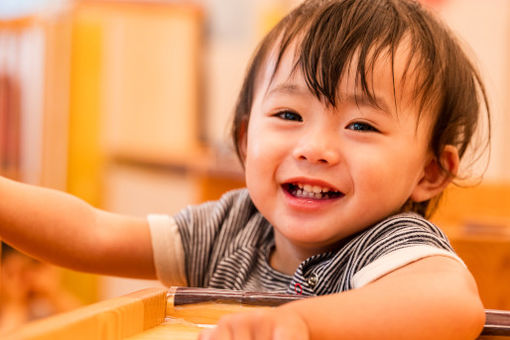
[353, 118]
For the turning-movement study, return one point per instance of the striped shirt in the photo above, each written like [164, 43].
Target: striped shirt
[227, 244]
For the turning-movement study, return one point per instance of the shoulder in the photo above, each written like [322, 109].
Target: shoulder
[230, 218]
[395, 242]
[235, 202]
[402, 229]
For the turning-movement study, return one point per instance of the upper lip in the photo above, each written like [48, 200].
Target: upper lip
[311, 181]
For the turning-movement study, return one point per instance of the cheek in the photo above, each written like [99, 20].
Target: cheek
[254, 140]
[384, 170]
[263, 144]
[257, 155]
[254, 156]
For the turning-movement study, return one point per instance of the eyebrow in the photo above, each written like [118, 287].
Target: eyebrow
[286, 88]
[363, 99]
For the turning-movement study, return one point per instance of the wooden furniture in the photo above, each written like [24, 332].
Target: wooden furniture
[179, 313]
[477, 222]
[34, 72]
[134, 87]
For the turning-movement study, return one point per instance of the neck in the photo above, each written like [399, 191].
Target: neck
[283, 264]
[286, 257]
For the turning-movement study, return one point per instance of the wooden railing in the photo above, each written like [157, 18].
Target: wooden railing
[177, 313]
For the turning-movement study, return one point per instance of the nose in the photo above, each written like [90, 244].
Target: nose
[318, 147]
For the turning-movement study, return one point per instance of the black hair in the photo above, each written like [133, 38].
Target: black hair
[330, 34]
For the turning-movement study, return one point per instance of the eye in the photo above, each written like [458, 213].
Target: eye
[360, 126]
[289, 115]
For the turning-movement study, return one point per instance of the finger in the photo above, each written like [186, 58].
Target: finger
[282, 333]
[216, 333]
[238, 326]
[241, 331]
[262, 326]
[206, 334]
[290, 327]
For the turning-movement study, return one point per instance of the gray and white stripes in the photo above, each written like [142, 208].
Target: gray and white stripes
[226, 244]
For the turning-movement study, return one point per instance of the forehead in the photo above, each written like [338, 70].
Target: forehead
[388, 80]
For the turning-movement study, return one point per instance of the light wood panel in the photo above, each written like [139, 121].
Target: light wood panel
[116, 318]
[151, 73]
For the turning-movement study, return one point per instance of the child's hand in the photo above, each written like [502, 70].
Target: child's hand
[268, 323]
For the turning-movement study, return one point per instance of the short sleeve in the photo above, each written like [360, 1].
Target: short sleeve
[396, 259]
[396, 242]
[167, 250]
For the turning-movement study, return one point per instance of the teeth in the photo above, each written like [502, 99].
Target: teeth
[309, 194]
[312, 191]
[315, 189]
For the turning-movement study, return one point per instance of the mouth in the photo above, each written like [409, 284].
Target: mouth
[308, 191]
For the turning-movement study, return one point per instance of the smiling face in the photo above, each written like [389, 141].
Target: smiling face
[320, 173]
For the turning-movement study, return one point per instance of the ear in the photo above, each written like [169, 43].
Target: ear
[243, 138]
[435, 176]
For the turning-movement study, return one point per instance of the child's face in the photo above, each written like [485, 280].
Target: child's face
[320, 173]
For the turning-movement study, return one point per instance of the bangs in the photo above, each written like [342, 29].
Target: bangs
[342, 34]
[333, 39]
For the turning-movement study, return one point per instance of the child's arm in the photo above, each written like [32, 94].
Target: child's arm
[433, 298]
[62, 229]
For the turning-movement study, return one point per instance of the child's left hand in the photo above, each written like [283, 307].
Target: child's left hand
[267, 323]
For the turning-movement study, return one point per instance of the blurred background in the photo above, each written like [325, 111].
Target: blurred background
[126, 104]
